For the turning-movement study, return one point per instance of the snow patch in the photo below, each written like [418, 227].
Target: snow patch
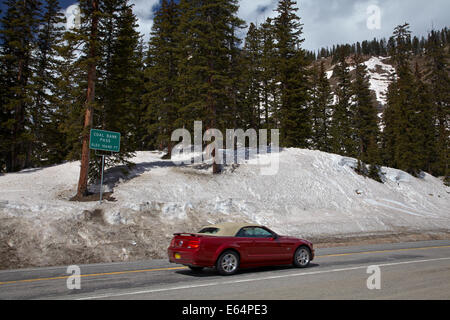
[329, 74]
[379, 80]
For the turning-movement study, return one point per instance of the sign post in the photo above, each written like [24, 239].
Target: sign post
[106, 141]
[101, 183]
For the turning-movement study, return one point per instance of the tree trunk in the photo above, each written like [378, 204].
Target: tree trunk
[84, 171]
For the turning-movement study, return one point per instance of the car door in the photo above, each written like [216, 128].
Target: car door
[287, 248]
[264, 247]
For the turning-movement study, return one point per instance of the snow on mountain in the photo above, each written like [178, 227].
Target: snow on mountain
[380, 74]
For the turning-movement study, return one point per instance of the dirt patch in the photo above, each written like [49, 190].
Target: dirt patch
[94, 197]
[356, 240]
[94, 216]
[90, 238]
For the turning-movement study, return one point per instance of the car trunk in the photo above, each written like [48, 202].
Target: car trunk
[186, 241]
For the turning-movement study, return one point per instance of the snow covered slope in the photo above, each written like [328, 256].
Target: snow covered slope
[380, 74]
[314, 193]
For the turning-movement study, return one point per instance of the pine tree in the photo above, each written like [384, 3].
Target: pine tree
[207, 29]
[437, 74]
[48, 142]
[17, 35]
[401, 50]
[365, 121]
[69, 96]
[5, 116]
[252, 62]
[162, 96]
[121, 84]
[402, 116]
[270, 93]
[140, 130]
[416, 46]
[389, 138]
[366, 118]
[295, 122]
[321, 100]
[235, 116]
[342, 132]
[425, 123]
[374, 160]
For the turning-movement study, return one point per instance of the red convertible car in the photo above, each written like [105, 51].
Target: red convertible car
[230, 246]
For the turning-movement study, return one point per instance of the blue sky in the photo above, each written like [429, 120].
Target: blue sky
[328, 22]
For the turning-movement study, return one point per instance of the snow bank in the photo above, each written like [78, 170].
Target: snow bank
[314, 194]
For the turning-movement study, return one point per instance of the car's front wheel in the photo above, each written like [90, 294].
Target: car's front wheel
[302, 257]
[228, 263]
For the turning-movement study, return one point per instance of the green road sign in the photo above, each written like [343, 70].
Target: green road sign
[105, 141]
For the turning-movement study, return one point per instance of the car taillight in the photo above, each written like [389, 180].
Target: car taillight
[172, 243]
[193, 244]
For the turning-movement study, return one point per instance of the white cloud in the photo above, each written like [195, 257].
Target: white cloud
[328, 22]
[143, 9]
[257, 11]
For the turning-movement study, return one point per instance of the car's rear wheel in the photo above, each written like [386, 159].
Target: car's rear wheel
[196, 269]
[228, 263]
[302, 257]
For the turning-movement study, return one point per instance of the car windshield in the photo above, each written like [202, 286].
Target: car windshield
[209, 230]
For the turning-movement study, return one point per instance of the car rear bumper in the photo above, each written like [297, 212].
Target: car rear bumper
[184, 257]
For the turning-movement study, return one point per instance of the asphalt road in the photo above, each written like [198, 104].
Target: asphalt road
[418, 270]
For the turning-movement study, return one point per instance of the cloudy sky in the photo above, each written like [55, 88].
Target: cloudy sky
[328, 22]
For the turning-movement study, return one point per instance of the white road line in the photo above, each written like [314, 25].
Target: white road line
[254, 279]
